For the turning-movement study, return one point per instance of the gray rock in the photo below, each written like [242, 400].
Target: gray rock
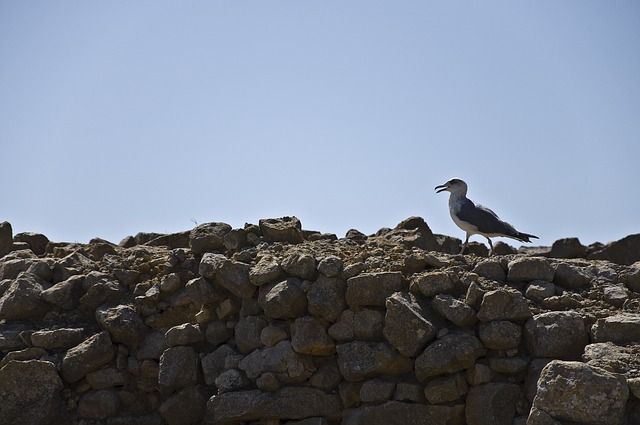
[236, 239]
[6, 238]
[178, 368]
[567, 248]
[231, 275]
[632, 278]
[208, 237]
[287, 365]
[10, 336]
[185, 334]
[431, 284]
[539, 290]
[625, 251]
[268, 382]
[576, 392]
[88, 356]
[57, 338]
[37, 242]
[614, 358]
[100, 404]
[479, 373]
[231, 380]
[359, 360]
[372, 289]
[500, 334]
[42, 269]
[409, 392]
[124, 325]
[451, 353]
[153, 345]
[398, 413]
[266, 270]
[326, 298]
[504, 304]
[571, 277]
[406, 326]
[309, 336]
[248, 332]
[217, 333]
[330, 266]
[445, 389]
[299, 264]
[327, 377]
[286, 403]
[620, 328]
[285, 229]
[376, 391]
[22, 299]
[490, 269]
[368, 324]
[527, 269]
[453, 310]
[30, 392]
[492, 404]
[201, 292]
[31, 353]
[421, 236]
[283, 300]
[186, 407]
[213, 364]
[342, 330]
[107, 378]
[102, 292]
[509, 365]
[556, 334]
[271, 335]
[616, 295]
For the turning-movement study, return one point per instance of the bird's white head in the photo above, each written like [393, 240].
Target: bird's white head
[455, 186]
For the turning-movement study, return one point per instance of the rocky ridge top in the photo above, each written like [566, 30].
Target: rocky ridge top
[222, 325]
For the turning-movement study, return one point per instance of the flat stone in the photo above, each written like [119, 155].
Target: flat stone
[620, 328]
[53, 339]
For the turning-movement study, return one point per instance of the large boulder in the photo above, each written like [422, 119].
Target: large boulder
[281, 360]
[31, 393]
[208, 237]
[283, 300]
[451, 353]
[285, 229]
[406, 326]
[123, 323]
[620, 328]
[571, 277]
[231, 275]
[37, 242]
[326, 298]
[359, 360]
[556, 334]
[178, 368]
[23, 299]
[372, 289]
[300, 264]
[579, 393]
[492, 404]
[625, 251]
[90, 355]
[526, 269]
[504, 304]
[286, 403]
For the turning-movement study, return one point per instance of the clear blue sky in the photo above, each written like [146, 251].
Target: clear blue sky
[126, 116]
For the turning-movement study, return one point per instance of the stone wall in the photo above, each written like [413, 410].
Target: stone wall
[271, 324]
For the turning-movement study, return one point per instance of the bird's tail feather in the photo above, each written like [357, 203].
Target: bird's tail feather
[524, 237]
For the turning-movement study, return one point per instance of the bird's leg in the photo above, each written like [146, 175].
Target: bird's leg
[464, 245]
[491, 250]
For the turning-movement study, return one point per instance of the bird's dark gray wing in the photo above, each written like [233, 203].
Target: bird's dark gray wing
[484, 219]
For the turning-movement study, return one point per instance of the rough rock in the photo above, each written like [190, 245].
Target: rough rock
[445, 389]
[22, 299]
[99, 404]
[231, 275]
[539, 290]
[571, 277]
[122, 322]
[299, 264]
[285, 229]
[186, 407]
[406, 326]
[178, 368]
[96, 351]
[359, 360]
[527, 269]
[620, 328]
[500, 334]
[330, 266]
[431, 284]
[287, 365]
[372, 289]
[567, 248]
[376, 391]
[30, 392]
[213, 364]
[309, 336]
[619, 359]
[450, 354]
[185, 334]
[398, 413]
[492, 404]
[326, 298]
[6, 238]
[107, 378]
[625, 251]
[454, 310]
[504, 304]
[491, 269]
[57, 338]
[283, 300]
[266, 270]
[208, 237]
[248, 333]
[556, 334]
[574, 391]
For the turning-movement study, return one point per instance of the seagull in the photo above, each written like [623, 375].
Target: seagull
[476, 219]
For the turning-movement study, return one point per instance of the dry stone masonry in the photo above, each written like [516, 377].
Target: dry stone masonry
[271, 324]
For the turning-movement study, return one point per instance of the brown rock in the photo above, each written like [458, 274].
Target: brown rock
[285, 229]
[208, 237]
[406, 326]
[309, 336]
[359, 360]
[504, 304]
[22, 299]
[372, 289]
[492, 404]
[186, 407]
[283, 300]
[178, 368]
[451, 353]
[91, 354]
[556, 334]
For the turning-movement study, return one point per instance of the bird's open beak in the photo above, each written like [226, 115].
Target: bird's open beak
[441, 188]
